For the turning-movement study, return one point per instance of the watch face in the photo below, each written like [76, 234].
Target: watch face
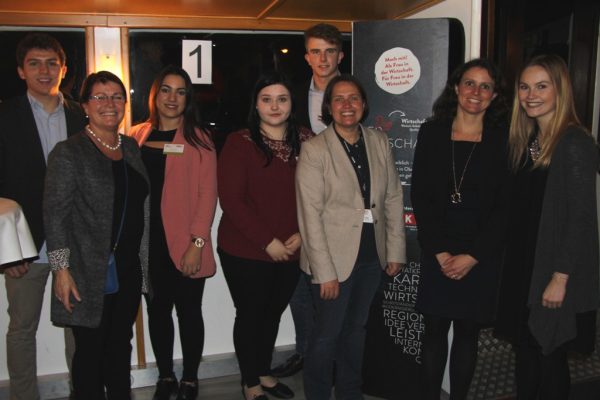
[199, 242]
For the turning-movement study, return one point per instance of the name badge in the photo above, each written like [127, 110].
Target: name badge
[173, 149]
[368, 216]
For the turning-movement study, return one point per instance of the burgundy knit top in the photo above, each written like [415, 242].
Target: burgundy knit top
[258, 201]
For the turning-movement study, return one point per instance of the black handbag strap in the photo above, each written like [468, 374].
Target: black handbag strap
[124, 204]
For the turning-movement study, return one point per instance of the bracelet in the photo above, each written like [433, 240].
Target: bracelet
[561, 276]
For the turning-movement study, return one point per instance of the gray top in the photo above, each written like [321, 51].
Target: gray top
[78, 216]
[567, 240]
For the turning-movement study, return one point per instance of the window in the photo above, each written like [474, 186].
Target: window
[238, 59]
[73, 42]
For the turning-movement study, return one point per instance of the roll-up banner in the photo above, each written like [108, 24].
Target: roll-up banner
[403, 66]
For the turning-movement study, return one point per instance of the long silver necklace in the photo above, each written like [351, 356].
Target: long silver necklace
[103, 143]
[455, 196]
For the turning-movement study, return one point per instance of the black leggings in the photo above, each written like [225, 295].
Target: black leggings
[434, 352]
[102, 358]
[539, 376]
[170, 288]
[260, 291]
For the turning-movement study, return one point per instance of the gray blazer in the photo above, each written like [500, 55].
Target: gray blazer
[331, 207]
[78, 217]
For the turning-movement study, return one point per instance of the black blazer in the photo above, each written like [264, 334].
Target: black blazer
[430, 188]
[301, 97]
[22, 163]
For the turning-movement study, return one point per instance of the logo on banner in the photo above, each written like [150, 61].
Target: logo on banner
[402, 131]
[405, 325]
[397, 70]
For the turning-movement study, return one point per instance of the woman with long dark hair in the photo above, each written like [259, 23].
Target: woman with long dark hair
[258, 235]
[549, 291]
[458, 194]
[181, 163]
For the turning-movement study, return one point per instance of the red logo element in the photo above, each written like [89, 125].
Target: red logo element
[382, 124]
[409, 219]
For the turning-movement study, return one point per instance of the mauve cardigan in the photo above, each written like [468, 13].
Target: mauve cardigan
[189, 197]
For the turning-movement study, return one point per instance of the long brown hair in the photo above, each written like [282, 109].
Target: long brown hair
[191, 118]
[522, 126]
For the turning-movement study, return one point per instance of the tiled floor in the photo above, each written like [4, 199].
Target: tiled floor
[494, 379]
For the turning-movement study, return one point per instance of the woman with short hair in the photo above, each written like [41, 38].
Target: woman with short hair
[95, 213]
[350, 212]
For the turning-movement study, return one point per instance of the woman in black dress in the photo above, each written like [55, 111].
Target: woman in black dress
[549, 290]
[457, 194]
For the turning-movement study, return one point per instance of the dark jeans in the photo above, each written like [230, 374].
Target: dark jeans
[102, 356]
[260, 291]
[303, 312]
[539, 376]
[434, 353]
[170, 288]
[338, 337]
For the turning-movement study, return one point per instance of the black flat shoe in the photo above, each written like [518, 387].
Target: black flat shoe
[165, 388]
[187, 390]
[280, 391]
[290, 367]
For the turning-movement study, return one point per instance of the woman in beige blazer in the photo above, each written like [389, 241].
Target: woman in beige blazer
[350, 213]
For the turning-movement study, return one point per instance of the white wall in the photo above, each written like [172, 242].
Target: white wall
[218, 319]
[466, 11]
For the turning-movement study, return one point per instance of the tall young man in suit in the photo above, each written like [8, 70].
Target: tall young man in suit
[31, 125]
[323, 43]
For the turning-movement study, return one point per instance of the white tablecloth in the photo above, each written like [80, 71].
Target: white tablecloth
[16, 242]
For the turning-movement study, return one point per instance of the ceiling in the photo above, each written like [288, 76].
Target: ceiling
[205, 14]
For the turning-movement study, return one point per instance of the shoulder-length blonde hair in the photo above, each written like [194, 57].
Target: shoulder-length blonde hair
[522, 126]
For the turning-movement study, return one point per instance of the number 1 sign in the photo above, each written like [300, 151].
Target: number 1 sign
[196, 60]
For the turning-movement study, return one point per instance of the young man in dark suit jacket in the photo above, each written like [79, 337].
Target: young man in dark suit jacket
[323, 43]
[30, 126]
[324, 53]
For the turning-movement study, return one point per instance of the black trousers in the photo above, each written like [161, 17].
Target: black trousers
[260, 291]
[541, 376]
[102, 358]
[170, 288]
[434, 353]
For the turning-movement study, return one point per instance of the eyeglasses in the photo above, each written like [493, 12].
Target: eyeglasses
[103, 98]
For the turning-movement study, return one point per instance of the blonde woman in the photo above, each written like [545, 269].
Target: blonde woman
[550, 281]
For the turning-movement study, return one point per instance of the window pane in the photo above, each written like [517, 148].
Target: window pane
[73, 42]
[238, 60]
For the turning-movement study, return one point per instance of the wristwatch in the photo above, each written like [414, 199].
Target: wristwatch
[198, 242]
